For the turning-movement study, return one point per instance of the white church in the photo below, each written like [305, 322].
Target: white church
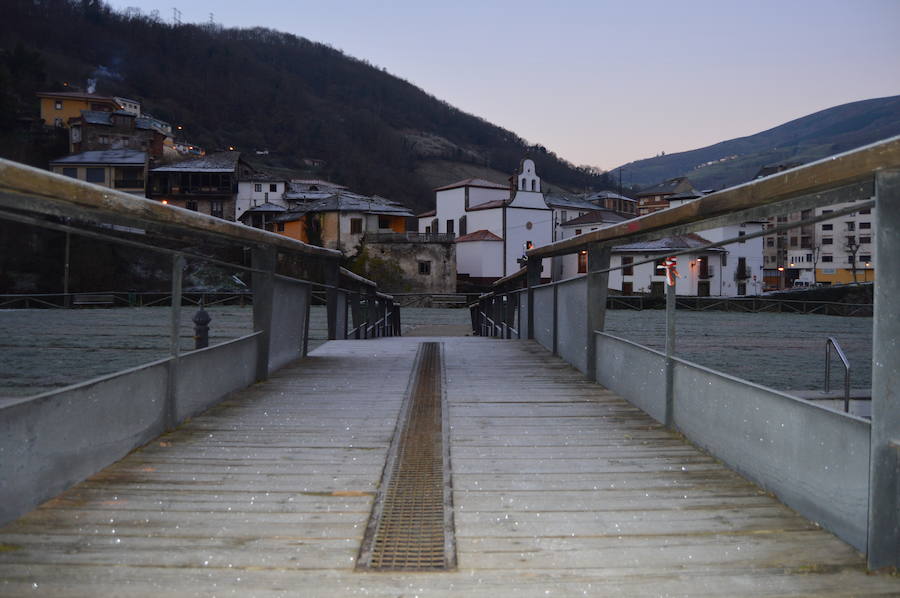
[495, 223]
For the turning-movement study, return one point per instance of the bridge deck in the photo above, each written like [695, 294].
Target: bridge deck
[560, 487]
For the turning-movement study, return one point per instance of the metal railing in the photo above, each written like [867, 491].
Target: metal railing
[830, 343]
[848, 478]
[146, 400]
[410, 237]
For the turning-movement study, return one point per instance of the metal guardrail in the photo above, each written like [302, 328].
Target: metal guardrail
[283, 273]
[410, 237]
[868, 177]
[829, 344]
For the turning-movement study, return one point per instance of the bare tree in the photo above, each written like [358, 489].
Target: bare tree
[852, 248]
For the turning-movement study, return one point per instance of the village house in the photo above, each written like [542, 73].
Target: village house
[568, 266]
[121, 169]
[260, 189]
[207, 184]
[98, 130]
[339, 220]
[57, 107]
[655, 198]
[624, 206]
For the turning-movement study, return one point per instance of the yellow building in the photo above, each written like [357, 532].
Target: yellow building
[57, 107]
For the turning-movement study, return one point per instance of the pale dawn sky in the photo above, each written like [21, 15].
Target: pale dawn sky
[604, 83]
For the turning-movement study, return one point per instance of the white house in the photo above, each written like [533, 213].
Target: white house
[260, 189]
[516, 216]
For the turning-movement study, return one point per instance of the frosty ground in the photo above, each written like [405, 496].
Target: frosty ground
[45, 349]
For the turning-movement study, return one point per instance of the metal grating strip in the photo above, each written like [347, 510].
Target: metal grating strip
[411, 526]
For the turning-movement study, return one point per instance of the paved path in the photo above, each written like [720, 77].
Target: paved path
[559, 488]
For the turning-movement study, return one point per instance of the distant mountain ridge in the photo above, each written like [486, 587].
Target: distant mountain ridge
[805, 139]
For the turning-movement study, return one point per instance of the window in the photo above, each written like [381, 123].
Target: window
[104, 140]
[742, 234]
[95, 175]
[58, 104]
[533, 183]
[866, 211]
[577, 231]
[450, 224]
[257, 187]
[827, 227]
[279, 226]
[427, 230]
[850, 225]
[827, 211]
[384, 222]
[809, 257]
[805, 214]
[866, 239]
[562, 216]
[865, 225]
[770, 242]
[273, 187]
[70, 171]
[827, 241]
[57, 122]
[424, 268]
[191, 205]
[794, 241]
[742, 288]
[217, 208]
[355, 226]
[851, 239]
[724, 259]
[827, 258]
[462, 225]
[627, 268]
[865, 258]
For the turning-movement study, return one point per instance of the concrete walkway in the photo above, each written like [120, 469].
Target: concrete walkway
[559, 488]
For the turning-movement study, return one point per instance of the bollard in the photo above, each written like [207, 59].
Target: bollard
[201, 321]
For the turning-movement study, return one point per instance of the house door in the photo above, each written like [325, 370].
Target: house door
[657, 289]
[703, 288]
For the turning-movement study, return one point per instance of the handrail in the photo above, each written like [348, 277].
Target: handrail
[830, 172]
[832, 342]
[61, 194]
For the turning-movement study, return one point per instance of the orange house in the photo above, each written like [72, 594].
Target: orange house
[57, 107]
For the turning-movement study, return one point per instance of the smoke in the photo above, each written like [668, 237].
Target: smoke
[91, 85]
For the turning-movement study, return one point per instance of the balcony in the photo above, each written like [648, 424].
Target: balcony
[129, 183]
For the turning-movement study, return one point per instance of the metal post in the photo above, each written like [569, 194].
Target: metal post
[597, 291]
[333, 280]
[670, 352]
[356, 313]
[370, 310]
[174, 344]
[556, 319]
[67, 301]
[201, 321]
[884, 477]
[533, 278]
[263, 258]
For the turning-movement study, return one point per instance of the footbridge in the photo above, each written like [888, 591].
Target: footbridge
[541, 457]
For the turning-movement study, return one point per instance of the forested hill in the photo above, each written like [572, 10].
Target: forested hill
[805, 139]
[258, 89]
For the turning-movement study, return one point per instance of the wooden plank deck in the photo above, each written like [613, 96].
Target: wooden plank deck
[560, 488]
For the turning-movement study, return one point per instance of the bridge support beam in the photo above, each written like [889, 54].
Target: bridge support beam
[333, 280]
[670, 352]
[532, 278]
[884, 477]
[597, 291]
[263, 260]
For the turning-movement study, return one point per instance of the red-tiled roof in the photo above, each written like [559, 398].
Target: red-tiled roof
[479, 235]
[499, 203]
[473, 183]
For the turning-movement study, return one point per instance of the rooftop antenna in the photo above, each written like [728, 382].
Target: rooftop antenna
[176, 16]
[212, 22]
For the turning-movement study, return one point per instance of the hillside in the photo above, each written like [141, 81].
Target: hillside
[805, 139]
[255, 89]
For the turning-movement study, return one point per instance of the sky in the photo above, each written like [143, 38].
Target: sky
[603, 83]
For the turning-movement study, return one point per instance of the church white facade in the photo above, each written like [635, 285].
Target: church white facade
[494, 223]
